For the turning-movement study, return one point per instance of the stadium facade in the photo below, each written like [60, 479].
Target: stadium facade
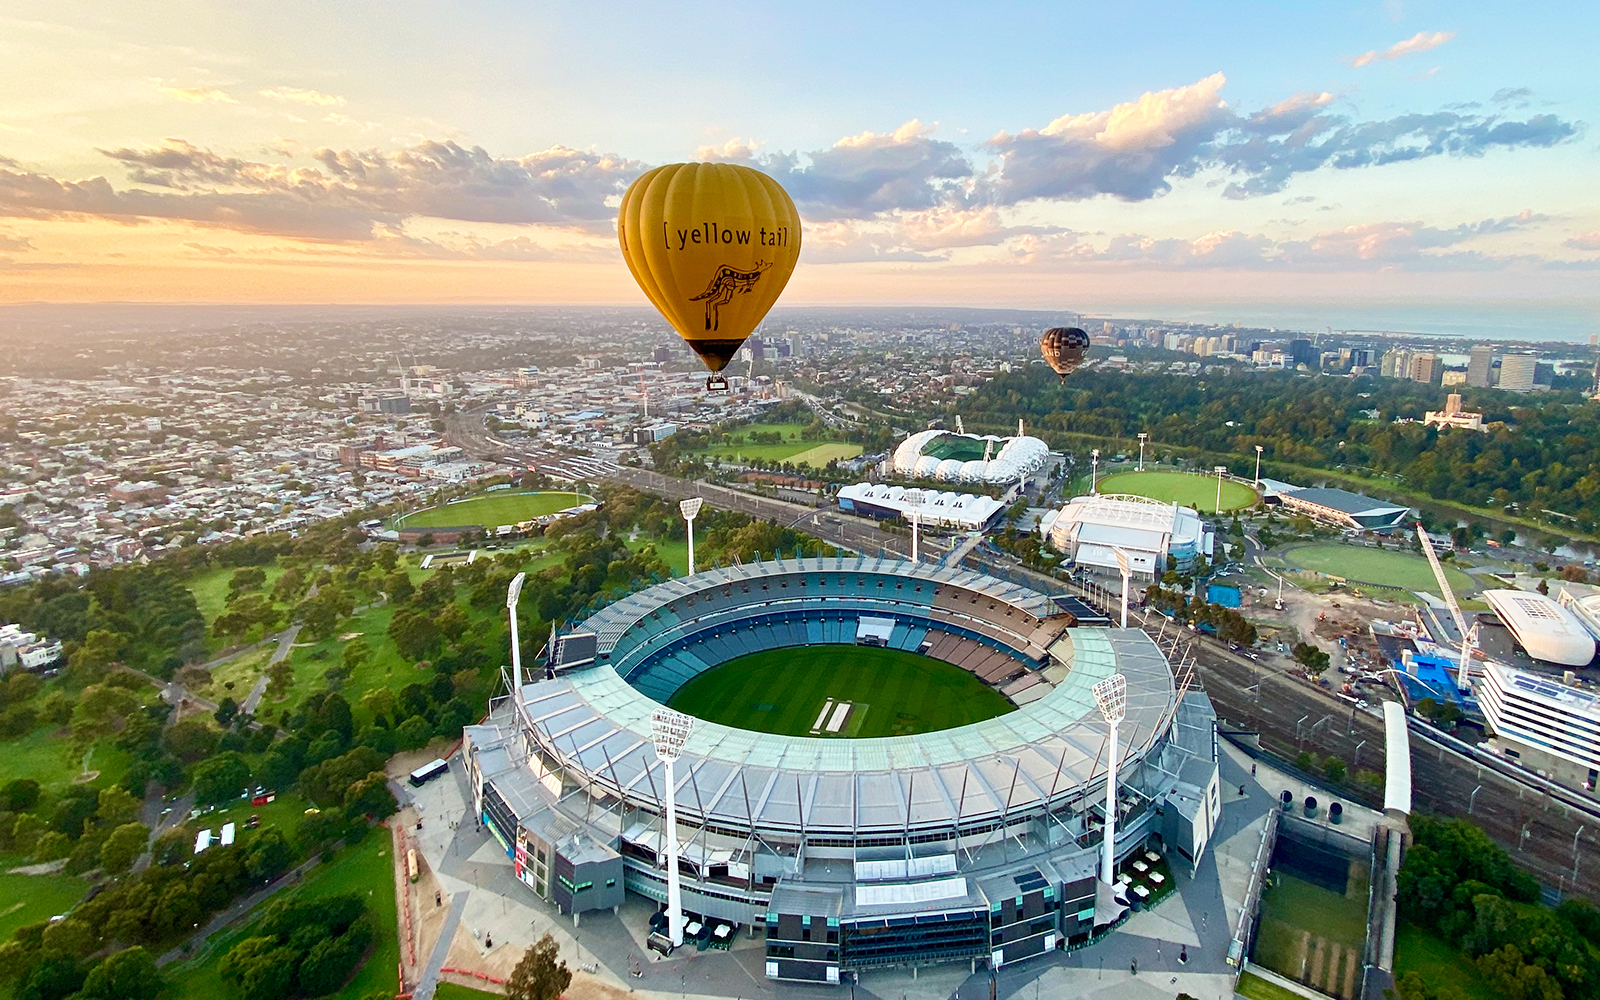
[978, 843]
[953, 457]
[933, 508]
[1089, 530]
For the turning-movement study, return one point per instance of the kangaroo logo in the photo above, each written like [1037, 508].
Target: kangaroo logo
[725, 284]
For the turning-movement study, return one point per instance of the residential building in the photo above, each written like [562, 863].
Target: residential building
[1480, 366]
[1517, 371]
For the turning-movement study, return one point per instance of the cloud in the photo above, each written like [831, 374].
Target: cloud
[1377, 246]
[348, 197]
[1584, 241]
[869, 173]
[212, 251]
[1422, 41]
[297, 95]
[12, 242]
[199, 95]
[335, 118]
[1135, 150]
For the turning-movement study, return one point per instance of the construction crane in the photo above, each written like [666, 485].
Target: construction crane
[1462, 683]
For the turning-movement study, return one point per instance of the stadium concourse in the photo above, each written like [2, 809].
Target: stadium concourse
[972, 844]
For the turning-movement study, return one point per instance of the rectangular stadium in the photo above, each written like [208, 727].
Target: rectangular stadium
[890, 764]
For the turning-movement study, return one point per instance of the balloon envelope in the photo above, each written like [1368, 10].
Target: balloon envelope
[712, 245]
[1064, 348]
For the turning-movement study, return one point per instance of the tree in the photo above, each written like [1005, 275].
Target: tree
[130, 974]
[269, 854]
[371, 796]
[101, 648]
[413, 733]
[414, 632]
[356, 652]
[123, 846]
[259, 969]
[226, 710]
[115, 807]
[1313, 659]
[220, 778]
[379, 703]
[190, 740]
[539, 975]
[451, 622]
[102, 709]
[19, 795]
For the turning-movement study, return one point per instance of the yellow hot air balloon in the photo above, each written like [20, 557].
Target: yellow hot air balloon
[712, 245]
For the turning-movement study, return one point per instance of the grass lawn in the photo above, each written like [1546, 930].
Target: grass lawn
[33, 899]
[896, 693]
[674, 553]
[491, 510]
[1295, 914]
[1190, 489]
[790, 449]
[1380, 567]
[1256, 988]
[1439, 965]
[210, 588]
[46, 756]
[241, 672]
[363, 869]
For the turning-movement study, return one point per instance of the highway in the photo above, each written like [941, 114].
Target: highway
[1555, 841]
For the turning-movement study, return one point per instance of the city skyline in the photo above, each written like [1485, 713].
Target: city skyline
[1351, 165]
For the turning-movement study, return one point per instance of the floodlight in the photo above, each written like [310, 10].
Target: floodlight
[515, 590]
[1111, 695]
[691, 507]
[669, 731]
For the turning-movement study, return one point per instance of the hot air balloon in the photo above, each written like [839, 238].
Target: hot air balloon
[1063, 348]
[712, 245]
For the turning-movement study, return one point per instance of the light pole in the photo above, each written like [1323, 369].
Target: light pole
[1472, 799]
[1142, 436]
[913, 498]
[1575, 855]
[513, 592]
[669, 730]
[1356, 766]
[1219, 470]
[690, 508]
[1094, 471]
[1258, 466]
[1122, 564]
[1111, 695]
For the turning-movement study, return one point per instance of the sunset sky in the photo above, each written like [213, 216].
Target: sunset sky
[1109, 156]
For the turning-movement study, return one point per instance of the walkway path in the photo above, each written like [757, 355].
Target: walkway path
[285, 646]
[441, 948]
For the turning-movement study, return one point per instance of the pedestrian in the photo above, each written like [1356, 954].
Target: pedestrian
[438, 898]
[488, 941]
[1133, 966]
[1252, 770]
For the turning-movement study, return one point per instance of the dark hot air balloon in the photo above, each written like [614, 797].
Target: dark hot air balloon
[1063, 348]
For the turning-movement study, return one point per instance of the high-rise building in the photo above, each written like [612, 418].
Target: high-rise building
[1517, 371]
[1480, 365]
[1427, 368]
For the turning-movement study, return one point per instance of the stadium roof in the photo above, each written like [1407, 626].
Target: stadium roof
[1047, 750]
[1548, 631]
[1344, 501]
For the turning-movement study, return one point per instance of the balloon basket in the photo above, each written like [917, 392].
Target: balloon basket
[716, 383]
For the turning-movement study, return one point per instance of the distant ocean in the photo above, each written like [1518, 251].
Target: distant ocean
[1532, 321]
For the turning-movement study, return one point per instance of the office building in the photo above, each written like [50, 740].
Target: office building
[1549, 727]
[1480, 366]
[1517, 371]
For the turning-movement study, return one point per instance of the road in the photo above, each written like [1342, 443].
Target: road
[1291, 715]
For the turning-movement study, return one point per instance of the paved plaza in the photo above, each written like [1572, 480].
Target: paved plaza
[483, 918]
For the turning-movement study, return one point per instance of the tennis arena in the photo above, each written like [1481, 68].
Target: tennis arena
[973, 843]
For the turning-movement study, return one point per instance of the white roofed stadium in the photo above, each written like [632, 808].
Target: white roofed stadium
[978, 842]
[968, 458]
[1089, 530]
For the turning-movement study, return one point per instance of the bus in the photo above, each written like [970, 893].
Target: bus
[428, 772]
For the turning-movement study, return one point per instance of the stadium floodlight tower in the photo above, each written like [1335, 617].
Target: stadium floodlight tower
[1111, 695]
[913, 500]
[1219, 470]
[1127, 570]
[1094, 471]
[669, 731]
[690, 509]
[513, 592]
[1142, 436]
[1258, 466]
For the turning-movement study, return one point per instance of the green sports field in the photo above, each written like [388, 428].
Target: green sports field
[893, 693]
[1187, 488]
[491, 510]
[1380, 567]
[790, 449]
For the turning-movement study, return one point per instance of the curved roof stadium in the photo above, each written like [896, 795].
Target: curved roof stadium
[968, 458]
[762, 814]
[1548, 631]
[1089, 530]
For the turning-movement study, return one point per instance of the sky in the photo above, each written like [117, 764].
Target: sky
[1348, 163]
